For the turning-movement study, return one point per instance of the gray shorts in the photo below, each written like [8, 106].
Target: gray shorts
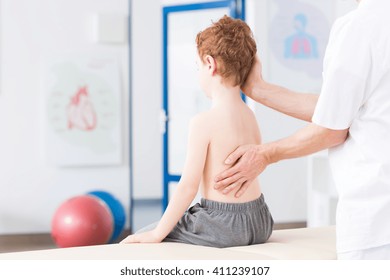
[218, 224]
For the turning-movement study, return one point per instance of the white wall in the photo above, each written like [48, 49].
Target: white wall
[32, 30]
[146, 88]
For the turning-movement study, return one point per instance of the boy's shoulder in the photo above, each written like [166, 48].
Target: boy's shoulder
[202, 120]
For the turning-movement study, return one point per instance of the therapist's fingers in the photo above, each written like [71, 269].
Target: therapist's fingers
[242, 189]
[233, 186]
[226, 178]
[254, 77]
[228, 181]
[234, 156]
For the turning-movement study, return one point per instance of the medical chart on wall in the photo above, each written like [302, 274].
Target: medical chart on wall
[83, 112]
[298, 36]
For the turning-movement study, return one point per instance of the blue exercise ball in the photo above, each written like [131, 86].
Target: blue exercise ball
[117, 210]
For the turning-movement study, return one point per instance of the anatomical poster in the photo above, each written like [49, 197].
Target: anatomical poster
[83, 112]
[298, 35]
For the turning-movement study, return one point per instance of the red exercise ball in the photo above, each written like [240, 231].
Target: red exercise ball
[82, 221]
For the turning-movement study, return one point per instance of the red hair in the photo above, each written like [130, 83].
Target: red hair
[230, 42]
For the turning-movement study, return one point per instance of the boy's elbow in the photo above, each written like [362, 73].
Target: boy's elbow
[188, 189]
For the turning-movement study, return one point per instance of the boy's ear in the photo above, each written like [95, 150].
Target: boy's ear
[211, 64]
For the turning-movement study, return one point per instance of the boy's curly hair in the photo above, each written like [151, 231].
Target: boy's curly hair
[230, 42]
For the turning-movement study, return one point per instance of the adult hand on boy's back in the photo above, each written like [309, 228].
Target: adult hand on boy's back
[248, 162]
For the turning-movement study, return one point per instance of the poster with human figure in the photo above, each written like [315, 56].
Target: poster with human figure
[83, 112]
[298, 35]
[300, 45]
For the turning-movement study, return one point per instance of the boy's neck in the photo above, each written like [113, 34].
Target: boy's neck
[226, 95]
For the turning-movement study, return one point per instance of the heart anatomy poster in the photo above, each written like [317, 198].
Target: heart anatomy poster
[82, 112]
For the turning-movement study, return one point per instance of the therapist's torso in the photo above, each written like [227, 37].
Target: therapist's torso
[356, 94]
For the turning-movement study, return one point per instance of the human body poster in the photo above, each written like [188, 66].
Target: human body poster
[298, 36]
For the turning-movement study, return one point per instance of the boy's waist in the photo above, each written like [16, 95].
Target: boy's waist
[232, 206]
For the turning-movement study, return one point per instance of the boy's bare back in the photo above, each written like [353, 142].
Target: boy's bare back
[228, 124]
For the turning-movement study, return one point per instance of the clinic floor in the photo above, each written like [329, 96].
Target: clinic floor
[144, 213]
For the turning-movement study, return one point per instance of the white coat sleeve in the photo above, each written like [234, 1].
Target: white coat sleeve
[347, 66]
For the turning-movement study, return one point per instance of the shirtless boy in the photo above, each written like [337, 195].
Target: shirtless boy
[226, 51]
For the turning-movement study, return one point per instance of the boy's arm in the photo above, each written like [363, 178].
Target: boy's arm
[188, 186]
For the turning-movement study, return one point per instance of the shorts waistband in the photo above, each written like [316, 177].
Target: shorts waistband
[233, 207]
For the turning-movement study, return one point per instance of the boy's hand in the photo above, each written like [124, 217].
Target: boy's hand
[145, 237]
[248, 162]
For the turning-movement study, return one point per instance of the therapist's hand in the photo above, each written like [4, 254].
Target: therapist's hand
[248, 162]
[254, 79]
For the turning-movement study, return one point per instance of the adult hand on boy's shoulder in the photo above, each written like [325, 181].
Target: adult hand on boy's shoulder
[144, 237]
[248, 162]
